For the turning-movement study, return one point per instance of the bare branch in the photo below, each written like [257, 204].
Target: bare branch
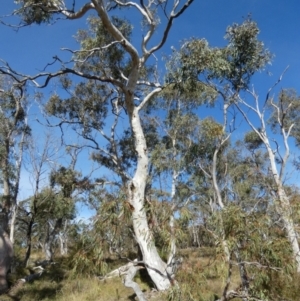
[142, 10]
[21, 79]
[278, 81]
[148, 97]
[91, 51]
[150, 84]
[173, 16]
[77, 15]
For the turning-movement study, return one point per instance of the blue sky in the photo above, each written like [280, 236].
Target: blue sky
[29, 49]
[32, 47]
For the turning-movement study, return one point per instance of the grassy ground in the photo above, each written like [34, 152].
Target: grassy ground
[202, 276]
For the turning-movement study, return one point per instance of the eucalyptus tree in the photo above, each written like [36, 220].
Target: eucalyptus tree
[283, 119]
[13, 133]
[229, 71]
[177, 132]
[37, 165]
[246, 55]
[128, 86]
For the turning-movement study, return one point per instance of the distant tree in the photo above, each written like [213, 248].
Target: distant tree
[29, 209]
[282, 118]
[13, 137]
[229, 71]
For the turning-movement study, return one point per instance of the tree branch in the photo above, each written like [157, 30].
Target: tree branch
[173, 16]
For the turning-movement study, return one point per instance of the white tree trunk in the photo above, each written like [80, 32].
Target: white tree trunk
[282, 203]
[63, 239]
[283, 208]
[63, 242]
[13, 218]
[220, 203]
[172, 253]
[136, 191]
[48, 251]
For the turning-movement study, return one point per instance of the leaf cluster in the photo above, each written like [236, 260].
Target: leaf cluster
[252, 140]
[244, 53]
[109, 58]
[86, 108]
[198, 68]
[37, 11]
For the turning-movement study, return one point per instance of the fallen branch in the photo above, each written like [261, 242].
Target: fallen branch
[37, 273]
[128, 271]
[128, 282]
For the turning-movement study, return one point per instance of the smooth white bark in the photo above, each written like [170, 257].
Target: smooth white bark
[284, 209]
[282, 203]
[136, 189]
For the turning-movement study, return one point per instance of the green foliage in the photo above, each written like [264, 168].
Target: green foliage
[14, 132]
[252, 140]
[208, 139]
[13, 106]
[196, 70]
[87, 255]
[184, 67]
[107, 62]
[54, 205]
[66, 178]
[86, 109]
[197, 74]
[245, 54]
[37, 11]
[211, 130]
[263, 247]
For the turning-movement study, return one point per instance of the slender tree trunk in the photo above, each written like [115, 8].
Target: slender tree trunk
[63, 244]
[14, 211]
[14, 206]
[243, 272]
[6, 205]
[128, 282]
[283, 208]
[6, 256]
[172, 253]
[47, 246]
[28, 242]
[63, 239]
[195, 235]
[50, 237]
[220, 203]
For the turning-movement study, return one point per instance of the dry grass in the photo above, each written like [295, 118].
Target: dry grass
[202, 276]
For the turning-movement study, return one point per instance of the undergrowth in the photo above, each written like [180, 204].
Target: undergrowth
[201, 277]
